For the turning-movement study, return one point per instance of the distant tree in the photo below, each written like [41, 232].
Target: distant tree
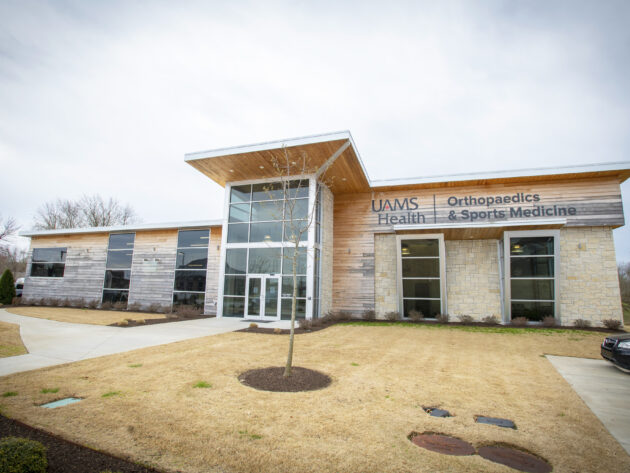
[623, 270]
[8, 227]
[13, 258]
[89, 211]
[7, 287]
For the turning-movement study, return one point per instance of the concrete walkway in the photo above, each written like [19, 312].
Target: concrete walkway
[604, 389]
[53, 343]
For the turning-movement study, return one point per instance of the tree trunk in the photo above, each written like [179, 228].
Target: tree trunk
[288, 367]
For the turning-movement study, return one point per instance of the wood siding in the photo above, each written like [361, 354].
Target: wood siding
[597, 203]
[212, 274]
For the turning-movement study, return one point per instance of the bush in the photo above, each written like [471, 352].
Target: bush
[582, 323]
[78, 303]
[7, 287]
[465, 319]
[416, 315]
[107, 305]
[16, 301]
[187, 311]
[490, 320]
[20, 455]
[341, 316]
[123, 323]
[612, 324]
[155, 308]
[120, 305]
[549, 321]
[519, 321]
[369, 315]
[253, 325]
[277, 330]
[135, 307]
[392, 316]
[305, 324]
[443, 318]
[93, 304]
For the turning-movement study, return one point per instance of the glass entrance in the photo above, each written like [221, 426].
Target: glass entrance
[263, 297]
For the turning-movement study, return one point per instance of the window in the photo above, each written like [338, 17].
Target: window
[118, 267]
[531, 272]
[421, 275]
[190, 267]
[48, 262]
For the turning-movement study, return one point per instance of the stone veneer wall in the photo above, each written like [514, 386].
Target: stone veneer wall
[326, 277]
[385, 287]
[472, 278]
[212, 274]
[153, 268]
[588, 281]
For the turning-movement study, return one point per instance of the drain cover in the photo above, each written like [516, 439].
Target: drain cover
[514, 458]
[507, 423]
[443, 444]
[435, 412]
[61, 402]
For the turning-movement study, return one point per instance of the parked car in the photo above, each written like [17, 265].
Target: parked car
[616, 349]
[19, 287]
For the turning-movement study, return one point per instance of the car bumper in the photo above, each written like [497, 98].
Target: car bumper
[622, 360]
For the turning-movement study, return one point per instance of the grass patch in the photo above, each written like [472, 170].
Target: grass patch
[49, 390]
[354, 364]
[466, 372]
[474, 329]
[80, 316]
[9, 394]
[10, 340]
[202, 384]
[135, 365]
[111, 394]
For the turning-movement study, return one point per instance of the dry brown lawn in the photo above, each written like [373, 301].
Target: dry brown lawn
[381, 378]
[10, 340]
[82, 316]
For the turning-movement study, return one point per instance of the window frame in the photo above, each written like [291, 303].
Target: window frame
[442, 266]
[30, 271]
[205, 270]
[507, 259]
[107, 268]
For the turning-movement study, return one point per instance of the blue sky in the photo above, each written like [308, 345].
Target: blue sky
[106, 97]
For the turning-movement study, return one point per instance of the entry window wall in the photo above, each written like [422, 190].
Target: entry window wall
[190, 267]
[532, 277]
[48, 262]
[118, 267]
[421, 276]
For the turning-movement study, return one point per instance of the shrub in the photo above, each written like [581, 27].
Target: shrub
[156, 308]
[188, 311]
[392, 316]
[107, 305]
[549, 321]
[490, 319]
[7, 287]
[141, 321]
[306, 324]
[519, 321]
[317, 322]
[612, 324]
[443, 318]
[465, 319]
[416, 315]
[123, 323]
[20, 455]
[253, 325]
[16, 301]
[369, 315]
[49, 302]
[120, 305]
[65, 302]
[582, 323]
[93, 304]
[135, 307]
[341, 316]
[277, 330]
[78, 303]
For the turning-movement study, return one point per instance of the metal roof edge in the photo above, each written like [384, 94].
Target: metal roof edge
[122, 228]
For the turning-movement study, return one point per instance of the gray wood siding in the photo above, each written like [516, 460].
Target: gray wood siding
[152, 271]
[213, 271]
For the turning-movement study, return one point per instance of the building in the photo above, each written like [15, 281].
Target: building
[530, 243]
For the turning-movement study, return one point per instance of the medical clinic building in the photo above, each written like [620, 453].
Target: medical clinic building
[529, 243]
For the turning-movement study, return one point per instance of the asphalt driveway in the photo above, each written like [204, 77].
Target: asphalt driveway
[53, 343]
[604, 389]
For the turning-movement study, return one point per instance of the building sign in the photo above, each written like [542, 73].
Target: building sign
[521, 206]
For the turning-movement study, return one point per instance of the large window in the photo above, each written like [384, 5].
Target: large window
[421, 271]
[190, 268]
[531, 275]
[48, 262]
[118, 267]
[261, 213]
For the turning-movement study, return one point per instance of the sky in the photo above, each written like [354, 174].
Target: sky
[107, 96]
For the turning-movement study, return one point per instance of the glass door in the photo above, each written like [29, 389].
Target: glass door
[263, 292]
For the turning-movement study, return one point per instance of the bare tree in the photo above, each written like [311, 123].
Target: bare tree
[623, 270]
[8, 227]
[89, 211]
[13, 258]
[297, 222]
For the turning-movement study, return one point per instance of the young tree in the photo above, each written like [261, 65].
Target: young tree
[297, 222]
[7, 287]
[89, 211]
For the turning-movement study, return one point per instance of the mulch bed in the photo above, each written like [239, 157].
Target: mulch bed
[275, 331]
[514, 458]
[67, 457]
[444, 444]
[271, 379]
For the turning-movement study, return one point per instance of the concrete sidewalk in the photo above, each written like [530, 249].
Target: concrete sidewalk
[604, 389]
[52, 343]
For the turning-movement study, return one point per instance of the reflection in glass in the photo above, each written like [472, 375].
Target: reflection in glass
[49, 255]
[192, 258]
[421, 268]
[266, 232]
[234, 286]
[194, 238]
[117, 279]
[235, 261]
[237, 232]
[264, 260]
[241, 193]
[121, 241]
[233, 306]
[190, 281]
